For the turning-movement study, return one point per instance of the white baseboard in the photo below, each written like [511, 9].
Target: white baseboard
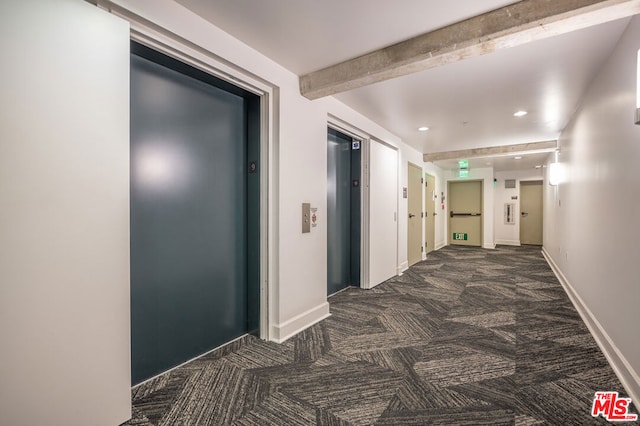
[282, 332]
[440, 245]
[508, 242]
[489, 246]
[402, 267]
[628, 376]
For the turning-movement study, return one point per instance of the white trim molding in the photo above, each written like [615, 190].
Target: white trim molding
[402, 267]
[628, 376]
[281, 332]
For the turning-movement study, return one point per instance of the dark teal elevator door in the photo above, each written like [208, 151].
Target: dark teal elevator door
[343, 212]
[190, 221]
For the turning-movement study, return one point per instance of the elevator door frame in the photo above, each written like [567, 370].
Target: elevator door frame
[172, 45]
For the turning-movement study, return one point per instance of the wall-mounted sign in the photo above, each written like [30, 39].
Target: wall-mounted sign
[459, 236]
[509, 213]
[314, 217]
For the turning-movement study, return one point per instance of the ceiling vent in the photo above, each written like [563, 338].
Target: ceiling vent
[509, 183]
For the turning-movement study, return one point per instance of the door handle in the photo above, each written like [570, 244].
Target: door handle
[452, 214]
[524, 214]
[411, 215]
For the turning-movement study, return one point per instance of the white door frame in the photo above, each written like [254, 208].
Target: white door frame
[154, 36]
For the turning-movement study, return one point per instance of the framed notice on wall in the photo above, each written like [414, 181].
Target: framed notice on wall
[509, 214]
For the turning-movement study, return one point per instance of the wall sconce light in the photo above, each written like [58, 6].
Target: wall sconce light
[638, 90]
[556, 171]
[554, 174]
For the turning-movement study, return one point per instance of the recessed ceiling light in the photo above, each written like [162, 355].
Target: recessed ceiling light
[520, 113]
[423, 128]
[517, 158]
[538, 167]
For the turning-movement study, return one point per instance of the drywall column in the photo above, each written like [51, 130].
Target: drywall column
[64, 221]
[383, 213]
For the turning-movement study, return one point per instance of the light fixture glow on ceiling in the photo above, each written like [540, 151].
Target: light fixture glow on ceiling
[518, 157]
[520, 113]
[423, 129]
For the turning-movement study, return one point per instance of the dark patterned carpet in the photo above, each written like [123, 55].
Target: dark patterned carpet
[468, 337]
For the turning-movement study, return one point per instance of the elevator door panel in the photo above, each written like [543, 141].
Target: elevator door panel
[338, 212]
[188, 217]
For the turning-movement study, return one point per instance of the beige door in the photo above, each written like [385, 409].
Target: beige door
[414, 229]
[531, 212]
[430, 229]
[465, 213]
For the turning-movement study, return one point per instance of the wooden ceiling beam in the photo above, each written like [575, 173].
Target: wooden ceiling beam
[509, 26]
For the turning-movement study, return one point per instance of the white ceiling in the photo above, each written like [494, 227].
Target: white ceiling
[507, 163]
[307, 35]
[467, 104]
[547, 78]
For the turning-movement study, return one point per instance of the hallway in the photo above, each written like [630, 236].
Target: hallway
[469, 336]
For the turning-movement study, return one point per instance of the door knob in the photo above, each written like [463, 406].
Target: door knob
[524, 214]
[411, 215]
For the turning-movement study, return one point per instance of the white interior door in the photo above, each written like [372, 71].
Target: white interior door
[64, 221]
[383, 208]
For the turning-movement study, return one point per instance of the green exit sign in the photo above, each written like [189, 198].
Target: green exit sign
[458, 236]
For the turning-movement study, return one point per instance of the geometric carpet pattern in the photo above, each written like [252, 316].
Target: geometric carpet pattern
[467, 337]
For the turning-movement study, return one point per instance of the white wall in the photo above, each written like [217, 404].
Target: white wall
[299, 294]
[64, 220]
[591, 231]
[509, 234]
[486, 175]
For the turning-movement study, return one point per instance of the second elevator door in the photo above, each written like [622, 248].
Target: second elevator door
[343, 212]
